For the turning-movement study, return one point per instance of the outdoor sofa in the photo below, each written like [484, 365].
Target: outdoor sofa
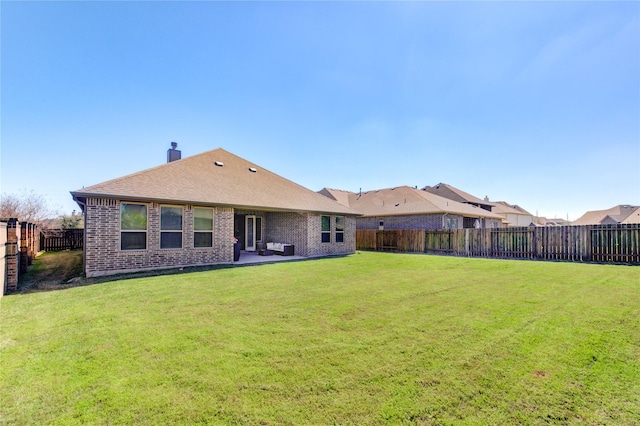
[282, 249]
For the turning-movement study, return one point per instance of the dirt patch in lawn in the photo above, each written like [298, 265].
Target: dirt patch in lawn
[540, 374]
[53, 271]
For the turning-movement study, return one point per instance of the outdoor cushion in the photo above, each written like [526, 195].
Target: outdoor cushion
[275, 246]
[279, 247]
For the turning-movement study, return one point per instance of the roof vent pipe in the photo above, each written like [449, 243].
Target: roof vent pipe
[173, 154]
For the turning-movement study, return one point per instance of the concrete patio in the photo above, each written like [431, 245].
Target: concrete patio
[252, 257]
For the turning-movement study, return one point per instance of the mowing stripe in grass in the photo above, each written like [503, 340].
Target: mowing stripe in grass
[366, 339]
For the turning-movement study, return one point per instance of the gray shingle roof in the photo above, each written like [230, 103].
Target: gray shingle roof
[619, 213]
[198, 180]
[405, 200]
[634, 217]
[453, 193]
[502, 207]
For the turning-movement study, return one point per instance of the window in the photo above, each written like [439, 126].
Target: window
[326, 229]
[258, 229]
[339, 229]
[133, 226]
[468, 222]
[170, 227]
[202, 227]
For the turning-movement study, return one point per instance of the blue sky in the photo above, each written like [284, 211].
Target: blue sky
[534, 103]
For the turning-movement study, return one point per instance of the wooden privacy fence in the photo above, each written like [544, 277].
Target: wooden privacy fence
[588, 243]
[19, 245]
[63, 239]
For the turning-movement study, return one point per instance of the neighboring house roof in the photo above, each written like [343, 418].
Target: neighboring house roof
[54, 223]
[337, 194]
[543, 221]
[453, 193]
[502, 207]
[634, 217]
[404, 200]
[617, 214]
[234, 182]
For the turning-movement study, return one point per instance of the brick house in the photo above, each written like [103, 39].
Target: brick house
[188, 211]
[455, 194]
[623, 213]
[513, 215]
[404, 207]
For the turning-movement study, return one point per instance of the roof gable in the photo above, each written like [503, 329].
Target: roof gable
[634, 217]
[616, 214]
[502, 207]
[453, 193]
[339, 195]
[215, 177]
[404, 200]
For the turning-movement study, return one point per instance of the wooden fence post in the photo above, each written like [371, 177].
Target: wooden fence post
[12, 255]
[24, 248]
[3, 257]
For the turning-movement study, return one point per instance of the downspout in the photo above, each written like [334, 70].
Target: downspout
[444, 220]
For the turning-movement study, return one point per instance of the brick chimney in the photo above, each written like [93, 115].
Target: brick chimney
[173, 154]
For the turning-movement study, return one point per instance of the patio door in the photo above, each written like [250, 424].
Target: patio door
[250, 233]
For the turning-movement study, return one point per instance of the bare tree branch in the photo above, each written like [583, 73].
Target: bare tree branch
[27, 206]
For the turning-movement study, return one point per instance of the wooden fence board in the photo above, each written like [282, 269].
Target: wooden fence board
[597, 243]
[68, 239]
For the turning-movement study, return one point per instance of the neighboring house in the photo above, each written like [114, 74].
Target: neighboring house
[53, 226]
[543, 221]
[455, 194]
[188, 211]
[619, 214]
[634, 217]
[410, 208]
[55, 223]
[513, 215]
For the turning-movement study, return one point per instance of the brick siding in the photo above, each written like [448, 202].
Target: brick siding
[318, 248]
[102, 238]
[416, 222]
[289, 228]
[304, 231]
[103, 255]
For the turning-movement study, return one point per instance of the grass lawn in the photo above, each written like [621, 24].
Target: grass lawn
[372, 338]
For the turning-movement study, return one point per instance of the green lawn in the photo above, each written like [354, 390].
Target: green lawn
[372, 338]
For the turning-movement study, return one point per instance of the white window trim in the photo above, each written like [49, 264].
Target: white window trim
[326, 232]
[344, 225]
[213, 218]
[181, 231]
[146, 230]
